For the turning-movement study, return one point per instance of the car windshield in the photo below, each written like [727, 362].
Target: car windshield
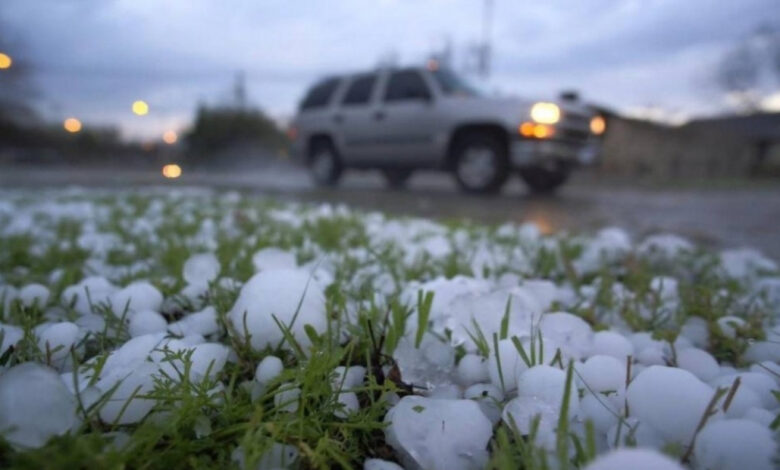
[452, 84]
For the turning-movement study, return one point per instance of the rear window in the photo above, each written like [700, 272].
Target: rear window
[406, 85]
[359, 91]
[320, 94]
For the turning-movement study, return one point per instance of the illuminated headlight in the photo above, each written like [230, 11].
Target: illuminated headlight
[546, 113]
[598, 125]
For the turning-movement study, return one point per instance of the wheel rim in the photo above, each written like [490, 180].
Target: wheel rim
[477, 167]
[322, 165]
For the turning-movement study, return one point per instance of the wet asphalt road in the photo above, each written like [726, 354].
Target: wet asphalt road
[732, 215]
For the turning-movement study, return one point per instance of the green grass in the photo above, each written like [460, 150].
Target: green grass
[200, 424]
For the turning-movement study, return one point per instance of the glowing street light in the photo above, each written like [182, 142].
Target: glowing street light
[171, 171]
[140, 107]
[5, 61]
[170, 137]
[72, 125]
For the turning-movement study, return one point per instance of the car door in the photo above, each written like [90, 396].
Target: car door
[406, 119]
[354, 120]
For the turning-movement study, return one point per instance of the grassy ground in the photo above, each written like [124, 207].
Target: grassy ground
[221, 421]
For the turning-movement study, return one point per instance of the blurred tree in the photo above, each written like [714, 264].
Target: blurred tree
[218, 128]
[744, 69]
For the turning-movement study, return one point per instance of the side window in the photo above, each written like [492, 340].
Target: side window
[359, 91]
[406, 85]
[320, 94]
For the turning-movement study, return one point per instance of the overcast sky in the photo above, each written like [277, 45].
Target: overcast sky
[94, 57]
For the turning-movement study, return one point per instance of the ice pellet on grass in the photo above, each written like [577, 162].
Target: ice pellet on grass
[138, 296]
[145, 322]
[273, 258]
[201, 323]
[602, 374]
[125, 388]
[438, 434]
[287, 398]
[611, 343]
[34, 294]
[472, 369]
[523, 410]
[200, 269]
[698, 362]
[34, 405]
[570, 332]
[670, 400]
[57, 340]
[634, 459]
[736, 444]
[268, 369]
[379, 464]
[292, 296]
[547, 384]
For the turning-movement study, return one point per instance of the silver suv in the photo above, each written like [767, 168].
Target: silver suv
[401, 120]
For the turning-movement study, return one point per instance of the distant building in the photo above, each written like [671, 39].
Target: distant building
[760, 132]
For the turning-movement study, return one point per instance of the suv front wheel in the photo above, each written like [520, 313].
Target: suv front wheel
[324, 163]
[480, 163]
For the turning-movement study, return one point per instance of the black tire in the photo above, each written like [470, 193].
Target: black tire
[493, 169]
[324, 163]
[397, 178]
[543, 180]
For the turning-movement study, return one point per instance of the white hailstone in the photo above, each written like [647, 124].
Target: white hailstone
[665, 288]
[90, 291]
[472, 369]
[523, 410]
[287, 398]
[634, 459]
[760, 351]
[670, 400]
[194, 293]
[135, 297]
[631, 432]
[349, 404]
[697, 330]
[34, 294]
[278, 456]
[57, 340]
[570, 332]
[379, 464]
[438, 434]
[133, 351]
[506, 366]
[445, 392]
[428, 366]
[601, 410]
[91, 323]
[760, 416]
[607, 246]
[729, 324]
[761, 384]
[698, 362]
[611, 343]
[124, 405]
[345, 378]
[735, 444]
[273, 258]
[664, 247]
[34, 405]
[201, 323]
[287, 295]
[768, 368]
[489, 398]
[548, 384]
[744, 263]
[268, 369]
[10, 336]
[653, 355]
[228, 283]
[201, 269]
[206, 360]
[602, 374]
[146, 322]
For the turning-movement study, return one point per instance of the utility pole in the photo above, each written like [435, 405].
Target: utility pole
[239, 90]
[485, 49]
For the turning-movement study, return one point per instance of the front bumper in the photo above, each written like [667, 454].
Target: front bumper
[530, 152]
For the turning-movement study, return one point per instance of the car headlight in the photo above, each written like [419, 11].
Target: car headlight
[546, 113]
[598, 125]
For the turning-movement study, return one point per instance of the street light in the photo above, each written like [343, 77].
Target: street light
[170, 137]
[72, 125]
[140, 107]
[5, 61]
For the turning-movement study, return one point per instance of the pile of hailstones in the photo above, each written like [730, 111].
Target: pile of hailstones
[450, 423]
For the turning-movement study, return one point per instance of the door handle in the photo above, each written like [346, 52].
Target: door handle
[338, 118]
[379, 115]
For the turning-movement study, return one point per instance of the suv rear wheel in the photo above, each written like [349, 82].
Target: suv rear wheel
[480, 163]
[544, 180]
[324, 163]
[397, 177]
